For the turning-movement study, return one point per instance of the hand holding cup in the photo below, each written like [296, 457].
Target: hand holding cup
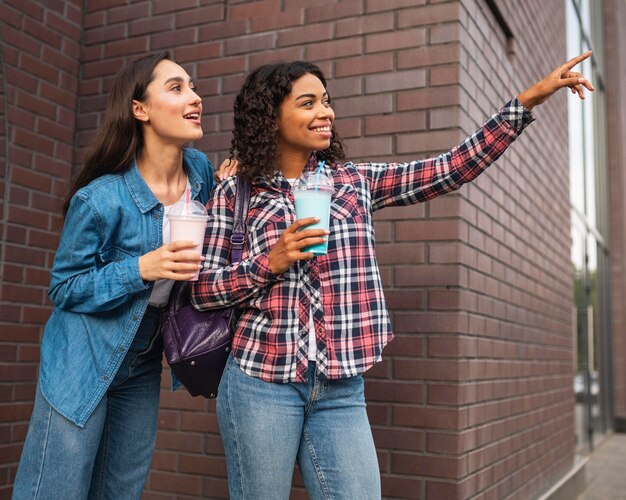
[291, 245]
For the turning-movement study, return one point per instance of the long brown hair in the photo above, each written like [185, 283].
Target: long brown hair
[120, 137]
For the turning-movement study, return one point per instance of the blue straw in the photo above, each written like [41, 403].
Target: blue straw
[319, 169]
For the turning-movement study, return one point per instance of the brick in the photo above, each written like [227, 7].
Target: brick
[429, 56]
[362, 149]
[405, 345]
[9, 313]
[24, 42]
[334, 49]
[194, 464]
[393, 391]
[215, 488]
[95, 5]
[445, 75]
[428, 98]
[22, 80]
[126, 47]
[199, 422]
[15, 373]
[278, 21]
[37, 315]
[429, 14]
[363, 25]
[17, 332]
[450, 32]
[436, 141]
[128, 12]
[377, 5]
[178, 441]
[41, 32]
[363, 65]
[35, 104]
[304, 35]
[251, 43]
[398, 80]
[397, 122]
[349, 127]
[59, 96]
[28, 354]
[33, 142]
[63, 25]
[429, 417]
[402, 487]
[200, 16]
[399, 439]
[219, 31]
[198, 51]
[428, 369]
[359, 106]
[54, 131]
[400, 253]
[107, 33]
[166, 6]
[15, 234]
[173, 38]
[222, 66]
[38, 68]
[176, 483]
[432, 465]
[101, 68]
[346, 8]
[262, 8]
[164, 461]
[161, 25]
[395, 40]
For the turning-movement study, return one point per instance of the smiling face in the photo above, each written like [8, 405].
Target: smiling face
[172, 111]
[305, 120]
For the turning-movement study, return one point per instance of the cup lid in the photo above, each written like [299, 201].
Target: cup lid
[181, 208]
[311, 181]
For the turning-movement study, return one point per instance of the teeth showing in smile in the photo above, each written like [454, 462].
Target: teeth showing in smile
[192, 116]
[322, 129]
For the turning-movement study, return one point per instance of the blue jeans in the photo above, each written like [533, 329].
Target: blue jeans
[322, 424]
[110, 457]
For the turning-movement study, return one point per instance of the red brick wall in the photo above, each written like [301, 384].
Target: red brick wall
[615, 68]
[473, 398]
[40, 62]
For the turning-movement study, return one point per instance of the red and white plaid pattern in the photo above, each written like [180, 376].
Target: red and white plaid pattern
[342, 289]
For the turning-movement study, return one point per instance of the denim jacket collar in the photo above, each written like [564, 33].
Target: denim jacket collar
[142, 195]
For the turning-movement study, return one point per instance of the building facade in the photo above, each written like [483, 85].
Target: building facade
[506, 297]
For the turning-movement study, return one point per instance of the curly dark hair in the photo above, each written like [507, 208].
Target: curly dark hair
[255, 135]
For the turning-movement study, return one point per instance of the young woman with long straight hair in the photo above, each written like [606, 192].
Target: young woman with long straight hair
[94, 422]
[310, 326]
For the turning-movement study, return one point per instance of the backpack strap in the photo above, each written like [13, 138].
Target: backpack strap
[242, 201]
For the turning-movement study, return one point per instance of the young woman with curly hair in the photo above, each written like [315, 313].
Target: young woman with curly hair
[309, 326]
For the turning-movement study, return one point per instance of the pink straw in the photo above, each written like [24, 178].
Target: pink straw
[187, 199]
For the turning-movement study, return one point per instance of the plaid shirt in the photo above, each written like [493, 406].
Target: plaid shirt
[341, 290]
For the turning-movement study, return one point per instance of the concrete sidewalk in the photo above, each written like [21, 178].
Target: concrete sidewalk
[606, 470]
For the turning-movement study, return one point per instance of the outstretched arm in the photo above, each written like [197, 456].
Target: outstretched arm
[561, 77]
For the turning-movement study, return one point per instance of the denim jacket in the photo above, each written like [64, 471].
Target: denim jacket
[98, 295]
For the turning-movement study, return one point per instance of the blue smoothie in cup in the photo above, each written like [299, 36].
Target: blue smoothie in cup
[312, 193]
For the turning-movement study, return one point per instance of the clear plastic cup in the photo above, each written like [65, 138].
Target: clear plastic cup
[188, 221]
[312, 193]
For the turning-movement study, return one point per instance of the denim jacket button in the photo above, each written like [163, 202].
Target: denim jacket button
[105, 378]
